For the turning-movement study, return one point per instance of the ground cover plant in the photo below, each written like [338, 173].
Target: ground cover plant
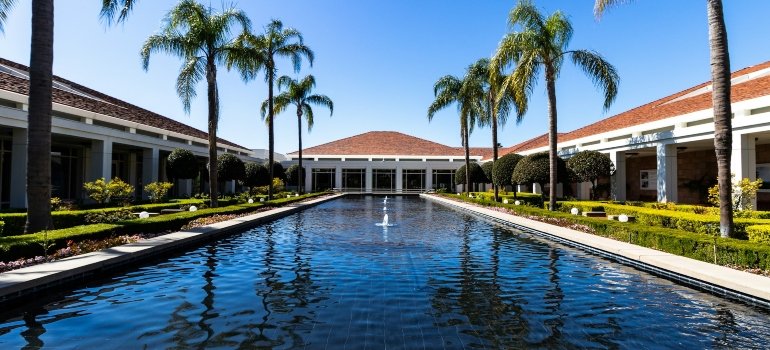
[730, 252]
[14, 249]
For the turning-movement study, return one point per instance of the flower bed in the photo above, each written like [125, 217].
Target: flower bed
[747, 256]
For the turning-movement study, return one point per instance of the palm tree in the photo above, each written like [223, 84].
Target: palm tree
[542, 45]
[720, 97]
[40, 103]
[496, 112]
[259, 52]
[201, 37]
[470, 105]
[298, 94]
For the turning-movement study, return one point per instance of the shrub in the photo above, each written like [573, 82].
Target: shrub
[535, 168]
[487, 169]
[675, 241]
[292, 175]
[590, 166]
[59, 205]
[182, 164]
[743, 192]
[256, 175]
[158, 190]
[278, 171]
[230, 167]
[277, 185]
[758, 233]
[101, 192]
[105, 217]
[476, 173]
[502, 170]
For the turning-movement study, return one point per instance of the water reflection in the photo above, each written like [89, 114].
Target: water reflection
[328, 278]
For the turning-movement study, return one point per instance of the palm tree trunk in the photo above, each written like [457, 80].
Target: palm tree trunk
[723, 133]
[552, 135]
[467, 159]
[299, 171]
[494, 135]
[270, 135]
[39, 119]
[211, 79]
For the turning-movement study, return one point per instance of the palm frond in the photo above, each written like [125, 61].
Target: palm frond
[560, 31]
[307, 111]
[526, 15]
[604, 5]
[281, 103]
[170, 43]
[110, 9]
[284, 82]
[601, 72]
[192, 72]
[263, 109]
[321, 100]
[5, 9]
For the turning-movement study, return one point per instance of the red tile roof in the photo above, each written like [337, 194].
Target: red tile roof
[108, 106]
[662, 109]
[385, 143]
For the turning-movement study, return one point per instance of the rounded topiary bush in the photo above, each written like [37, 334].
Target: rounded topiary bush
[230, 167]
[476, 173]
[293, 175]
[502, 171]
[278, 171]
[589, 166]
[182, 164]
[256, 175]
[487, 169]
[535, 168]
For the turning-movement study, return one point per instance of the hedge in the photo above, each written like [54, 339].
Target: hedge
[15, 222]
[15, 247]
[679, 242]
[700, 223]
[759, 233]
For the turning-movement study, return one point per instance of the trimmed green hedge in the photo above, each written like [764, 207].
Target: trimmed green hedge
[759, 233]
[15, 222]
[675, 241]
[15, 247]
[700, 223]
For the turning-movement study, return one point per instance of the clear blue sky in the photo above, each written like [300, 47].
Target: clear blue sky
[378, 61]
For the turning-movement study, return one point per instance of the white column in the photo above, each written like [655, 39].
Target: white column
[667, 173]
[744, 159]
[536, 189]
[399, 180]
[101, 160]
[559, 190]
[230, 186]
[185, 187]
[584, 190]
[19, 169]
[618, 181]
[369, 178]
[150, 164]
[428, 178]
[308, 185]
[338, 177]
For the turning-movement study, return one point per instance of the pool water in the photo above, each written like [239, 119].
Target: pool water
[329, 277]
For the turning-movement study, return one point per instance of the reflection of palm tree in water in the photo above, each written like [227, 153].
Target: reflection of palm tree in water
[209, 287]
[34, 330]
[553, 299]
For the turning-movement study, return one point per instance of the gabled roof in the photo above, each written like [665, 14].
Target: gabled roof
[747, 83]
[383, 143]
[71, 94]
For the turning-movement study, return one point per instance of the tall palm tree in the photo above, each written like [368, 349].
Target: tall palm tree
[259, 53]
[450, 89]
[298, 94]
[40, 103]
[720, 97]
[495, 111]
[542, 45]
[201, 37]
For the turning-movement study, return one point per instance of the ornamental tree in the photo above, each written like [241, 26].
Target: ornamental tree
[293, 175]
[230, 167]
[535, 168]
[589, 166]
[487, 169]
[256, 175]
[476, 174]
[182, 164]
[278, 171]
[503, 170]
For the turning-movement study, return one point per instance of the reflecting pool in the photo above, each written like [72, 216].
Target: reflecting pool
[329, 277]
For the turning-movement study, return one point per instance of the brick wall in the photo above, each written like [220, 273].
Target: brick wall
[633, 166]
[692, 166]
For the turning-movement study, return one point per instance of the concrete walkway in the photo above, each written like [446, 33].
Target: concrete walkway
[749, 287]
[34, 279]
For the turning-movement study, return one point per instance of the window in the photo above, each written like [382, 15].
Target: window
[354, 179]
